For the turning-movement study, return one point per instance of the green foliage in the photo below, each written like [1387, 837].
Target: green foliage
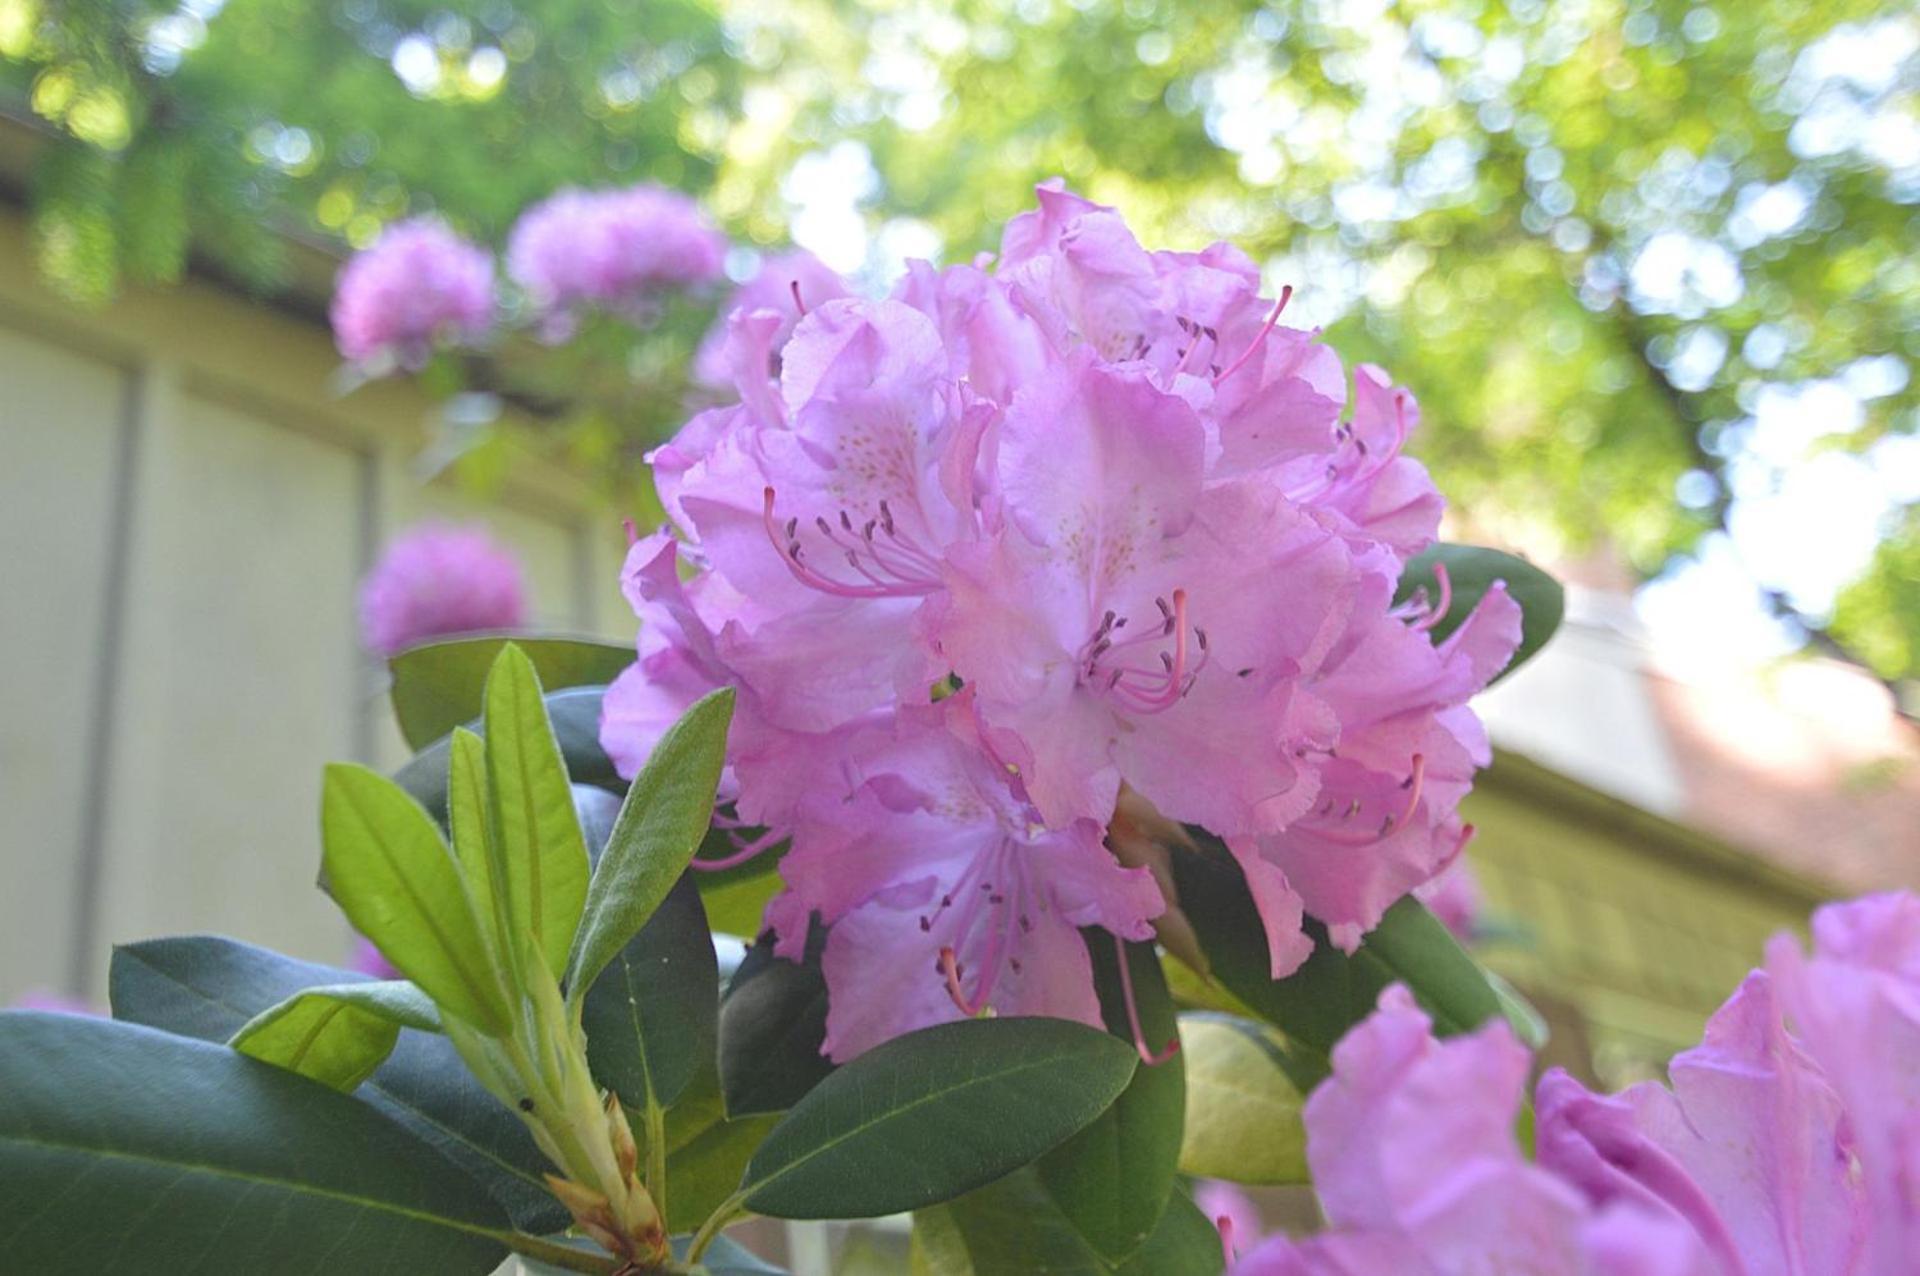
[666, 814]
[930, 1115]
[336, 1034]
[1333, 990]
[538, 851]
[573, 715]
[652, 1017]
[1243, 1110]
[395, 880]
[255, 1166]
[208, 988]
[1113, 1179]
[1014, 1226]
[772, 1023]
[442, 685]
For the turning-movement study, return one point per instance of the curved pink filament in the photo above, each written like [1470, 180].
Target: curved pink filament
[950, 967]
[1286, 295]
[1148, 1057]
[1442, 604]
[1224, 1225]
[758, 845]
[793, 286]
[806, 575]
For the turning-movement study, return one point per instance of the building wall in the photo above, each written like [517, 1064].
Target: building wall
[186, 506]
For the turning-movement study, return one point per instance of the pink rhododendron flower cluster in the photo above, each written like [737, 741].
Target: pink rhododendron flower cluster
[983, 555]
[783, 284]
[611, 249]
[435, 580]
[419, 283]
[1786, 1142]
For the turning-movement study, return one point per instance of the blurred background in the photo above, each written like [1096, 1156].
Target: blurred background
[1651, 268]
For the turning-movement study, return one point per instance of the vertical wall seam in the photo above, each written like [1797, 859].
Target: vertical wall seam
[366, 672]
[116, 581]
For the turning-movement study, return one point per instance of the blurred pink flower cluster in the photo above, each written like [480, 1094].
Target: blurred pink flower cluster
[417, 285]
[985, 555]
[611, 249]
[436, 580]
[1788, 1141]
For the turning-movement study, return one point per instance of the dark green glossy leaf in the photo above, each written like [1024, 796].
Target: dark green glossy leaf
[207, 988]
[1015, 1226]
[1472, 571]
[396, 881]
[704, 1171]
[440, 685]
[1332, 991]
[537, 848]
[667, 812]
[126, 1149]
[652, 1017]
[574, 715]
[339, 1033]
[930, 1115]
[773, 1021]
[1113, 1179]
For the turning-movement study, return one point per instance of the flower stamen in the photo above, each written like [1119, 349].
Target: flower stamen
[1148, 1057]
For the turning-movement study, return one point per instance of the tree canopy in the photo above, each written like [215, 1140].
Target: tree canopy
[1649, 265]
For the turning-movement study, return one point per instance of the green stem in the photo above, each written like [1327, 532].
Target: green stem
[565, 1257]
[656, 1117]
[730, 1209]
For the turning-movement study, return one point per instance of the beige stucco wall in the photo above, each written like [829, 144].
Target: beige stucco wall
[186, 505]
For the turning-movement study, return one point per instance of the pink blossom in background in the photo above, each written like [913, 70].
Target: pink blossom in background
[418, 284]
[784, 285]
[369, 960]
[612, 249]
[58, 1003]
[1144, 529]
[436, 580]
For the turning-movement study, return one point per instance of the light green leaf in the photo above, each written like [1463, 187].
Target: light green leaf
[471, 828]
[337, 1034]
[574, 715]
[1015, 1226]
[1243, 1111]
[126, 1149]
[441, 685]
[395, 880]
[933, 1114]
[666, 814]
[538, 849]
[1528, 1024]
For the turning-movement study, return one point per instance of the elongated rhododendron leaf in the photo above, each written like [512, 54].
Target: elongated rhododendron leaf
[442, 685]
[337, 1034]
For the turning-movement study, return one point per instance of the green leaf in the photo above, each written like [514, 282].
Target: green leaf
[727, 1257]
[337, 1034]
[468, 823]
[208, 988]
[703, 1172]
[574, 716]
[441, 685]
[666, 814]
[1112, 1179]
[773, 1022]
[539, 850]
[1528, 1024]
[123, 1148]
[1332, 990]
[394, 879]
[1014, 1226]
[1472, 571]
[651, 1018]
[935, 1113]
[1243, 1110]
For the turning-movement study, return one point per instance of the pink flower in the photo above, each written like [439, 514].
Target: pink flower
[369, 960]
[1749, 1148]
[1108, 497]
[436, 580]
[786, 285]
[611, 249]
[57, 1003]
[1231, 1211]
[1412, 1150]
[1855, 1007]
[1454, 898]
[420, 283]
